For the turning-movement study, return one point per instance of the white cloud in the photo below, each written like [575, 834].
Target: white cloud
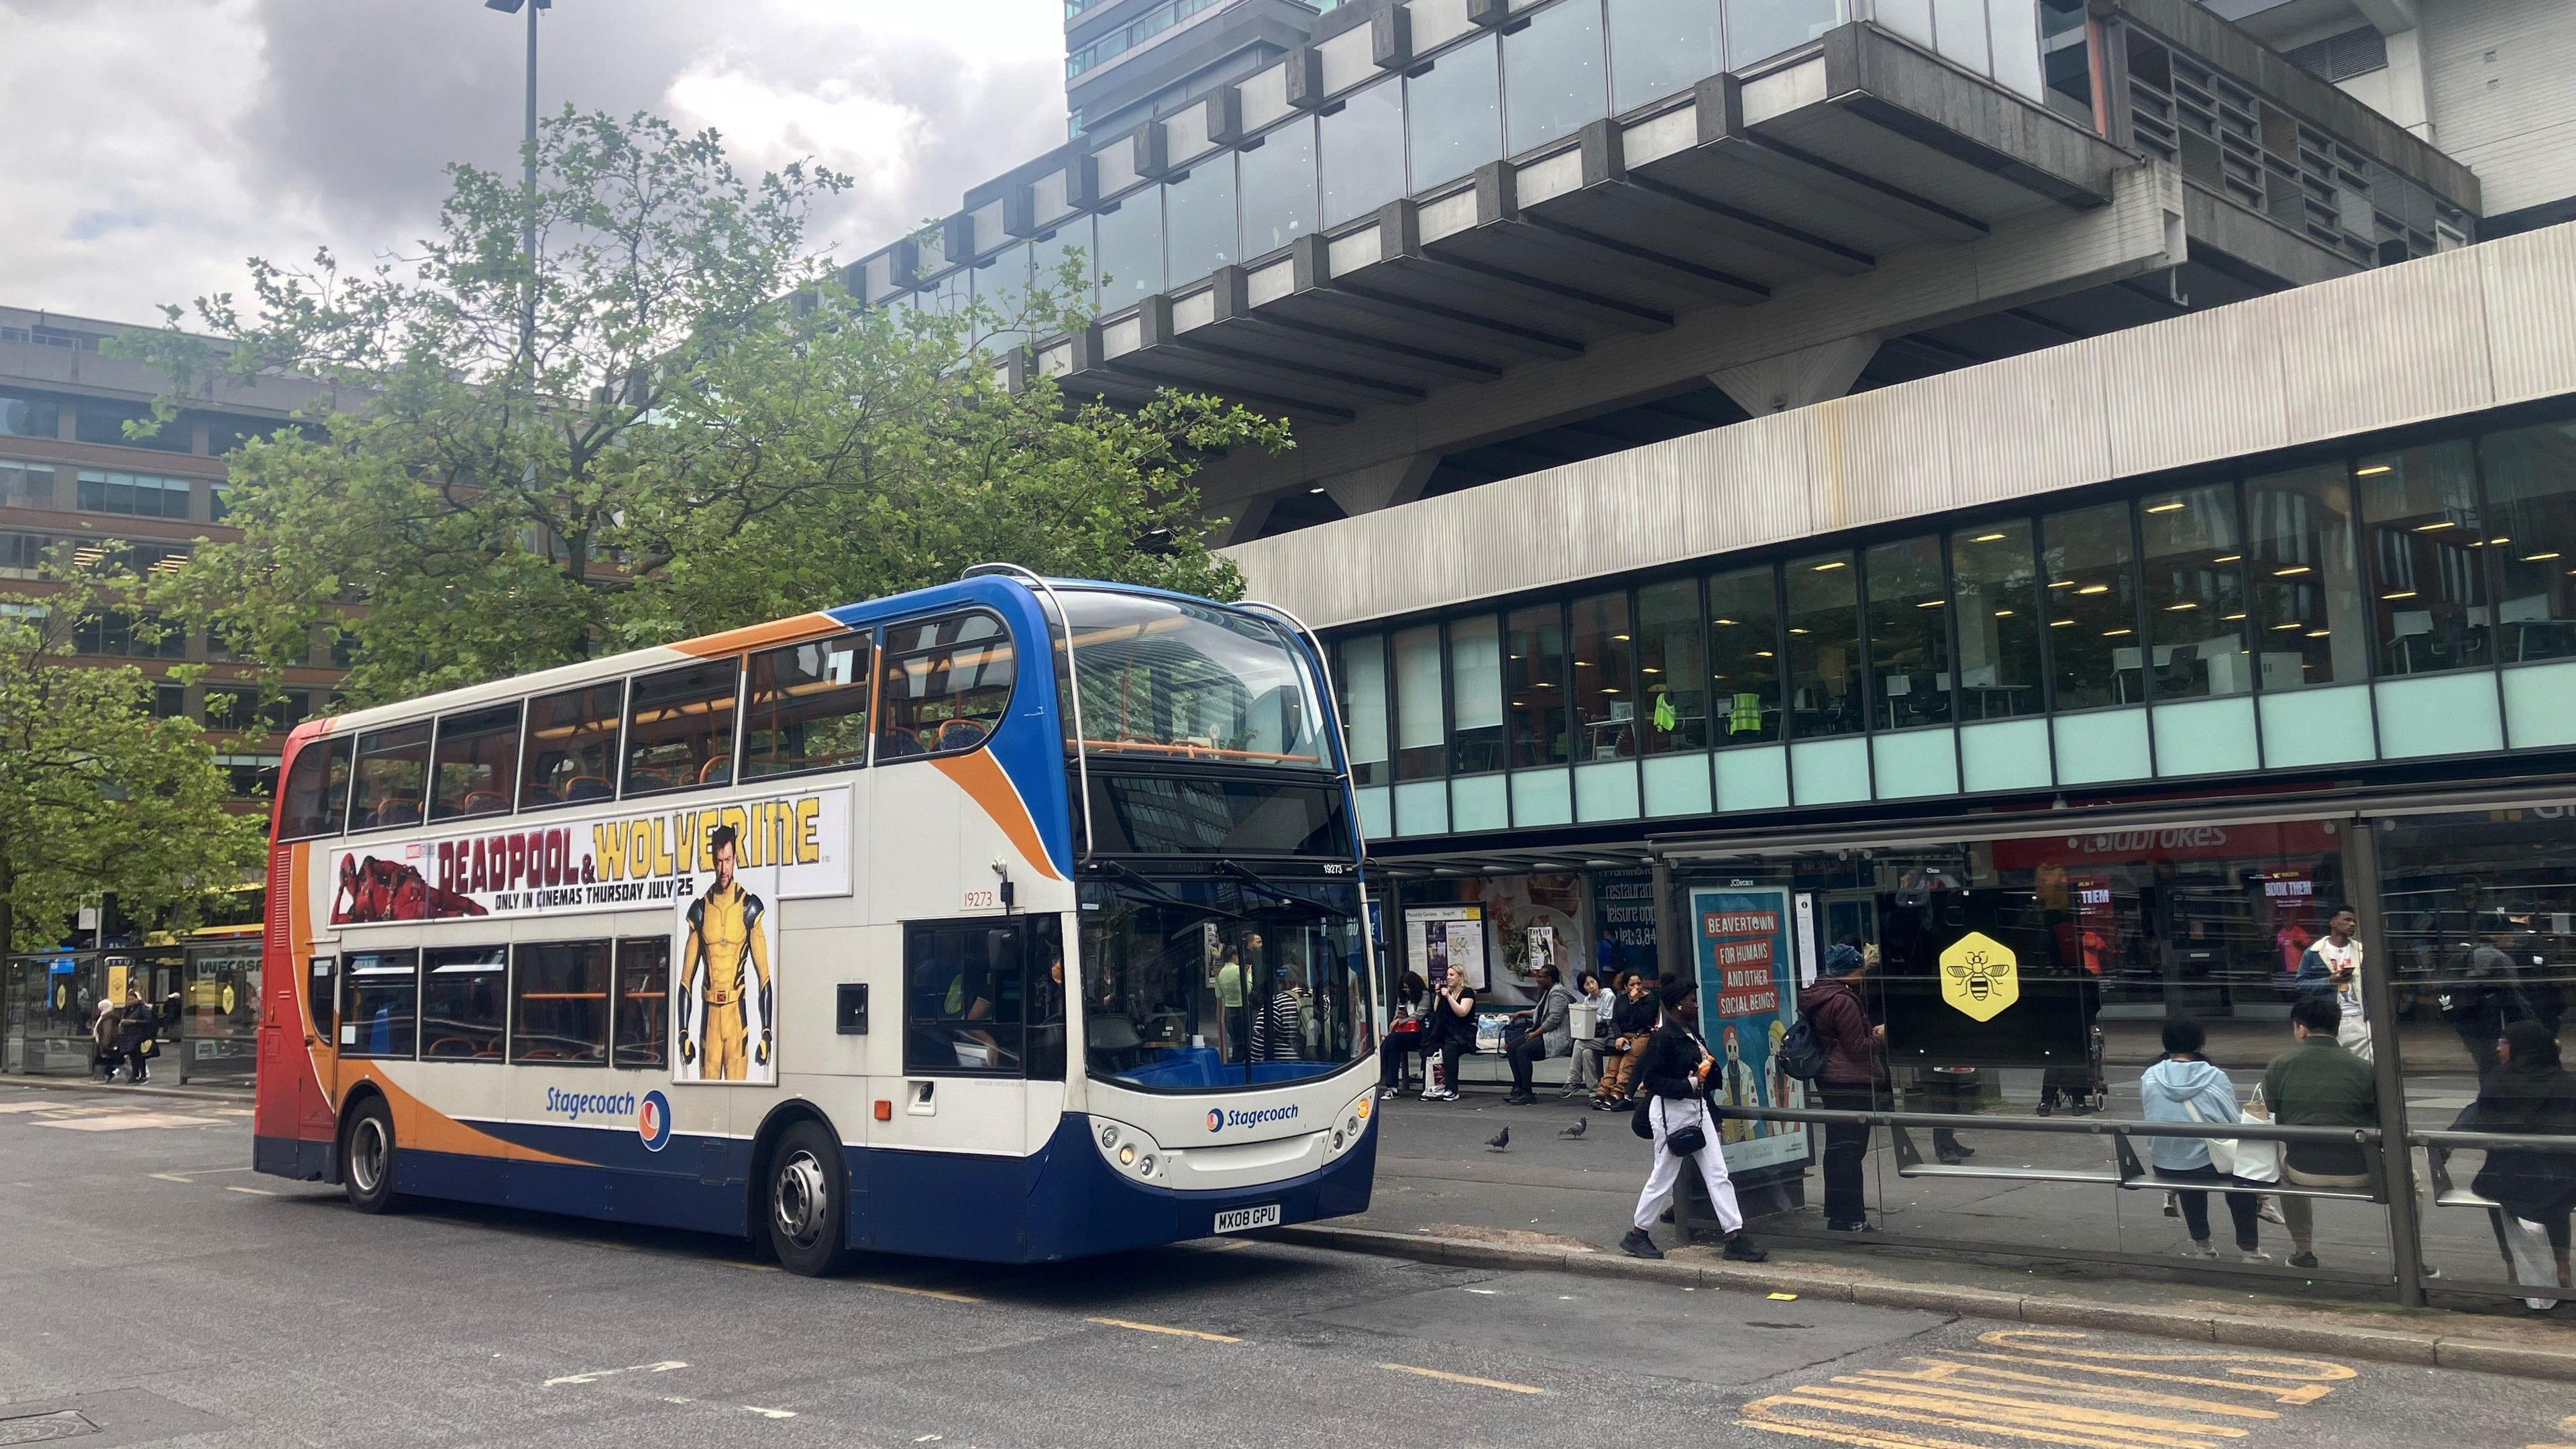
[768, 125]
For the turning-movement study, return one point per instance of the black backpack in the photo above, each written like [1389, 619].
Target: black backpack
[1802, 1055]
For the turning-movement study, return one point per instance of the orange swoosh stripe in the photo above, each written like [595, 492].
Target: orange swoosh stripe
[982, 778]
[784, 631]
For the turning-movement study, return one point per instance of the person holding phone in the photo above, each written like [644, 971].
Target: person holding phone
[2332, 967]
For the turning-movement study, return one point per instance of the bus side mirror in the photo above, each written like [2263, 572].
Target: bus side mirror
[850, 1016]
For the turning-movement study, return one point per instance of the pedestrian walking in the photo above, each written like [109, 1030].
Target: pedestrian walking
[2529, 1094]
[102, 1040]
[1850, 1082]
[2186, 1087]
[1677, 1070]
[1632, 1021]
[2319, 1084]
[1547, 1032]
[2332, 967]
[136, 1028]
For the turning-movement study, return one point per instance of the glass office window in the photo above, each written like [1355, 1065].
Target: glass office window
[2195, 581]
[1760, 30]
[1909, 634]
[1672, 667]
[1277, 176]
[1454, 114]
[2092, 605]
[1421, 734]
[1198, 221]
[1002, 288]
[1534, 681]
[1995, 582]
[1364, 708]
[1660, 47]
[1605, 694]
[1553, 75]
[1131, 249]
[1062, 254]
[2427, 543]
[1475, 695]
[1743, 657]
[1824, 646]
[1363, 152]
[2531, 485]
[2311, 625]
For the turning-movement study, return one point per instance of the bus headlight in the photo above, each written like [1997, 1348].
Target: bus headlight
[1356, 1118]
[1131, 1150]
[1127, 1155]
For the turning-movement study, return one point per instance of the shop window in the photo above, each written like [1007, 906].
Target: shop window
[1672, 668]
[1475, 695]
[392, 766]
[1758, 31]
[572, 746]
[1824, 646]
[1743, 657]
[1277, 175]
[1362, 148]
[2195, 589]
[478, 755]
[463, 1004]
[1661, 47]
[679, 728]
[380, 1007]
[1995, 586]
[643, 1004]
[2092, 604]
[1454, 113]
[2427, 547]
[963, 986]
[2311, 623]
[560, 1015]
[1198, 220]
[1364, 708]
[2531, 485]
[1421, 736]
[808, 708]
[1131, 249]
[317, 791]
[947, 682]
[1605, 679]
[1534, 681]
[1909, 634]
[1553, 68]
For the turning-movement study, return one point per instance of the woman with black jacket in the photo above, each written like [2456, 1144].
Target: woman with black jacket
[2527, 1095]
[1675, 1069]
[1449, 1030]
[1632, 1025]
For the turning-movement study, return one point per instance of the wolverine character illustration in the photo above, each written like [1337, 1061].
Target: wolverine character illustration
[723, 964]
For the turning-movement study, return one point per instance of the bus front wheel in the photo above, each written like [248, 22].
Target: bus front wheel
[809, 1202]
[367, 1158]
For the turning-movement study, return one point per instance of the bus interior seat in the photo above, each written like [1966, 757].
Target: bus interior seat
[960, 734]
[587, 787]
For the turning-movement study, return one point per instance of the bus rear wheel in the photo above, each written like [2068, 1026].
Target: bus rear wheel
[809, 1202]
[367, 1158]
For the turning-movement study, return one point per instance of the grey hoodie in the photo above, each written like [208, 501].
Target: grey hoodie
[2166, 1087]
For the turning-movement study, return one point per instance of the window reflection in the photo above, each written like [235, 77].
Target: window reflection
[2195, 570]
[2427, 552]
[1198, 220]
[1759, 29]
[1605, 701]
[1364, 707]
[1064, 262]
[1534, 677]
[2531, 484]
[1363, 152]
[2092, 604]
[1421, 734]
[1824, 646]
[1131, 249]
[1553, 68]
[2310, 624]
[1476, 695]
[1997, 587]
[1909, 635]
[1743, 657]
[1672, 668]
[1277, 174]
[1454, 110]
[1660, 47]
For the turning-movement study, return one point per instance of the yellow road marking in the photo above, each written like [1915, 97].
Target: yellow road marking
[1981, 1377]
[2048, 1423]
[1159, 1328]
[748, 1267]
[1784, 1297]
[942, 1294]
[1469, 1379]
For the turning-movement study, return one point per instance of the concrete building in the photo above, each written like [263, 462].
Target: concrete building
[2094, 475]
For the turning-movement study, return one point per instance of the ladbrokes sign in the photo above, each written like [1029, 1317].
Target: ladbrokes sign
[627, 860]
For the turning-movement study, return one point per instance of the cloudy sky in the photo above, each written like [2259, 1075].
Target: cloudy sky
[157, 143]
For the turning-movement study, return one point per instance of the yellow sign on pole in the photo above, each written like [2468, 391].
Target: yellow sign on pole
[1980, 976]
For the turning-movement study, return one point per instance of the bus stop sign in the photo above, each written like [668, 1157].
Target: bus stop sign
[1980, 976]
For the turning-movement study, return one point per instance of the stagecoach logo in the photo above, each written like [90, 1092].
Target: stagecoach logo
[1220, 1119]
[1980, 976]
[653, 1122]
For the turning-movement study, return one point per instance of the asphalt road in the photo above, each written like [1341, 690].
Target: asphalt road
[155, 1292]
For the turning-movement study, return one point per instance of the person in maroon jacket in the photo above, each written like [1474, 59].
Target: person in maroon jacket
[1850, 1082]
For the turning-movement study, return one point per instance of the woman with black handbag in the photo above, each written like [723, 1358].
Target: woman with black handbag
[1674, 1072]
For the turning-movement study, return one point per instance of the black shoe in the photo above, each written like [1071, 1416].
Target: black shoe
[2047, 1107]
[1742, 1249]
[1863, 1226]
[1667, 1217]
[2303, 1260]
[1521, 1099]
[1640, 1244]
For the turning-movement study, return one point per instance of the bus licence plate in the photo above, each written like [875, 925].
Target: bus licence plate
[1244, 1220]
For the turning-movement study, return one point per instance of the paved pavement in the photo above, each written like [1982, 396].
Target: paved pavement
[158, 1294]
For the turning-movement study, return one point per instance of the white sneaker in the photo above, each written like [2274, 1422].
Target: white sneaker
[2251, 1257]
[1388, 1094]
[2198, 1250]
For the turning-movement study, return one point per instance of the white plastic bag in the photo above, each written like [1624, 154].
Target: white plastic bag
[2252, 1160]
[2526, 1243]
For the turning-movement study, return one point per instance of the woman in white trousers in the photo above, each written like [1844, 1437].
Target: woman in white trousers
[1675, 1070]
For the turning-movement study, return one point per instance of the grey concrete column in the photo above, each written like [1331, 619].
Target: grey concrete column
[1239, 521]
[1381, 485]
[1797, 379]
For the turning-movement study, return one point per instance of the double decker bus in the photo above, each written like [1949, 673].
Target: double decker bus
[1015, 919]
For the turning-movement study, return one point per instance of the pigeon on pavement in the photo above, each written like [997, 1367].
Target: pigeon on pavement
[1581, 1125]
[1500, 1141]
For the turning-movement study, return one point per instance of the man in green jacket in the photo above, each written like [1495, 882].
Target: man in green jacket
[2319, 1084]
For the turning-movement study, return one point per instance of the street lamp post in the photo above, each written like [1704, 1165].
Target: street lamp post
[528, 188]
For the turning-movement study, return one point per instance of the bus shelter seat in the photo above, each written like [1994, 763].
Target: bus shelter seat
[1910, 1163]
[2137, 1176]
[2446, 1193]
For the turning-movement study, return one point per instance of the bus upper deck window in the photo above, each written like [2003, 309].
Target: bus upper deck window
[679, 728]
[572, 746]
[808, 708]
[947, 684]
[317, 791]
[477, 752]
[393, 764]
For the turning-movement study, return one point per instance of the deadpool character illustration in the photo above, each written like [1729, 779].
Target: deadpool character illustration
[382, 890]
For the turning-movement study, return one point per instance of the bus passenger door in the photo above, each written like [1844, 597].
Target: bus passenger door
[293, 1106]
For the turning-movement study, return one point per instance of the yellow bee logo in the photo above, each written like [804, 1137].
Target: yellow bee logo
[1980, 976]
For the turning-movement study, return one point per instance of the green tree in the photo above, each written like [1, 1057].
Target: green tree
[700, 430]
[96, 794]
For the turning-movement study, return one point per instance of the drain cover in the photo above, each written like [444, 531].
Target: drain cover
[46, 1428]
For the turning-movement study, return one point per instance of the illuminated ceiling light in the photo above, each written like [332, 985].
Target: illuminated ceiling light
[2277, 628]
[2089, 589]
[2400, 594]
[2499, 542]
[2063, 584]
[1761, 653]
[2003, 613]
[2232, 618]
[1987, 538]
[1622, 638]
[2539, 557]
[1797, 631]
[2292, 572]
[1650, 669]
[2174, 507]
[2228, 558]
[2374, 470]
[1931, 603]
[2180, 608]
[2059, 623]
[2316, 633]
[1832, 564]
[1726, 623]
[1314, 490]
[1609, 691]
[2433, 527]
[2116, 633]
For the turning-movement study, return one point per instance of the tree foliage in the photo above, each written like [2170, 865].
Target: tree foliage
[96, 795]
[700, 430]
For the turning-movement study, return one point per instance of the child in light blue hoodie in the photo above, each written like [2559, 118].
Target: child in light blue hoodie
[2184, 1087]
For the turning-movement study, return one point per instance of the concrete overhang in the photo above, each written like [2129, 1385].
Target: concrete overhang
[1856, 149]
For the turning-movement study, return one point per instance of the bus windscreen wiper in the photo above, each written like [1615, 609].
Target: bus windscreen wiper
[1263, 884]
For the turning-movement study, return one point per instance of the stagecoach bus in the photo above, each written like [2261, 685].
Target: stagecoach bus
[1015, 919]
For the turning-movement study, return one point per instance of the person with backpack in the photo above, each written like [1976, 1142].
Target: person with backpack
[1677, 1070]
[1847, 1082]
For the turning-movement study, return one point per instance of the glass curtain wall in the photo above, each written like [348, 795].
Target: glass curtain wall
[1605, 699]
[1552, 69]
[1824, 646]
[2195, 573]
[1454, 114]
[1744, 671]
[2093, 608]
[1535, 680]
[1996, 583]
[1909, 635]
[1672, 668]
[2309, 617]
